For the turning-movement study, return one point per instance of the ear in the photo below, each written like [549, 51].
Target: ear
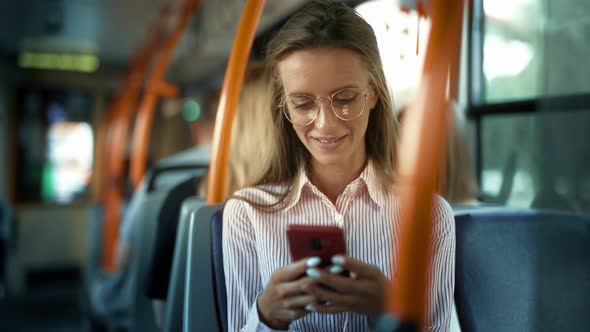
[372, 98]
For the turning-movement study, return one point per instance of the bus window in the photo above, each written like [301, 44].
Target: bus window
[402, 38]
[530, 96]
[55, 146]
[530, 48]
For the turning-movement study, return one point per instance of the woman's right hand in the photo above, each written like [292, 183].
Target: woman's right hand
[284, 299]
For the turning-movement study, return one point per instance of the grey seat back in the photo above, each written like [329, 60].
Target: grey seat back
[200, 309]
[142, 314]
[218, 271]
[173, 316]
[522, 271]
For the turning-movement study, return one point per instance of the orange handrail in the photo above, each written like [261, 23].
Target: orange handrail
[421, 148]
[157, 87]
[230, 94]
[119, 119]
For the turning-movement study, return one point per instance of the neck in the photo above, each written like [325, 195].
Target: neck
[333, 179]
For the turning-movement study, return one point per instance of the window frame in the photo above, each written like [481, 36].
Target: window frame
[478, 109]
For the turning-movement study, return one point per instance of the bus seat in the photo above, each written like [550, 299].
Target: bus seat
[173, 316]
[218, 273]
[199, 310]
[522, 270]
[142, 314]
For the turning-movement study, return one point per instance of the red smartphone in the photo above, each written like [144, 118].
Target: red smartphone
[321, 241]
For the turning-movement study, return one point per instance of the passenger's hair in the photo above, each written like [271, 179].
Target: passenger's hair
[459, 186]
[250, 132]
[327, 24]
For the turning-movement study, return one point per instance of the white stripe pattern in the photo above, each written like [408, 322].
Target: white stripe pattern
[255, 245]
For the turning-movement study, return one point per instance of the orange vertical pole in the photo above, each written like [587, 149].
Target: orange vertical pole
[421, 149]
[157, 87]
[119, 118]
[230, 94]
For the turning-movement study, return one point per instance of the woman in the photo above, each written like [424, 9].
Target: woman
[332, 163]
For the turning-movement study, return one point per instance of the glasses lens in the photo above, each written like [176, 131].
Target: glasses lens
[300, 110]
[348, 104]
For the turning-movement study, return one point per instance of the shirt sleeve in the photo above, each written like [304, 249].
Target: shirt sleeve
[442, 269]
[240, 263]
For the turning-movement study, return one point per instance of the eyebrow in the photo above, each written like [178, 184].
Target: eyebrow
[347, 86]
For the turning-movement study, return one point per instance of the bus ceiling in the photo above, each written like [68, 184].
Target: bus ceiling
[106, 34]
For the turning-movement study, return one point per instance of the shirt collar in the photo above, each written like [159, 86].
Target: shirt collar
[300, 181]
[368, 176]
[375, 189]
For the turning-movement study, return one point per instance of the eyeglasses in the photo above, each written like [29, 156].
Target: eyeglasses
[347, 104]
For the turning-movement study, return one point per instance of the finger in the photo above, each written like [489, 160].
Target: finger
[335, 298]
[292, 288]
[299, 302]
[339, 283]
[355, 266]
[292, 271]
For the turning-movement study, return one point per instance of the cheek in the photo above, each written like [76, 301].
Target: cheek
[301, 132]
[361, 126]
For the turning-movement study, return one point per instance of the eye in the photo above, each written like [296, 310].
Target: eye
[344, 100]
[345, 96]
[301, 103]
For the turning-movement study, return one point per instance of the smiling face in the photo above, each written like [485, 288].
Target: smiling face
[320, 73]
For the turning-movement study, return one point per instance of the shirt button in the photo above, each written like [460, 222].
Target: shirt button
[338, 217]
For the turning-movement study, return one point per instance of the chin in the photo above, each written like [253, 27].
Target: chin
[328, 160]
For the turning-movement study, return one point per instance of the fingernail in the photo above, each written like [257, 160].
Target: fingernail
[336, 269]
[338, 260]
[313, 273]
[310, 307]
[313, 261]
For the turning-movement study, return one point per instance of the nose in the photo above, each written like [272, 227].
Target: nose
[326, 117]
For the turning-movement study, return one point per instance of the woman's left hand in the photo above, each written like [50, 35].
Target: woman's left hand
[363, 292]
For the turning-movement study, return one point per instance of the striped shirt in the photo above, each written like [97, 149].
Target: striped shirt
[255, 245]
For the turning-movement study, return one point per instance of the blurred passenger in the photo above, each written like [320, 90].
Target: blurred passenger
[332, 163]
[250, 134]
[251, 130]
[459, 185]
[111, 294]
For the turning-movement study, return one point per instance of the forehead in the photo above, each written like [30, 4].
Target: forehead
[321, 71]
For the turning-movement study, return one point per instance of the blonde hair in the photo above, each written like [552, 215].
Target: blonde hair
[326, 24]
[251, 130]
[459, 185]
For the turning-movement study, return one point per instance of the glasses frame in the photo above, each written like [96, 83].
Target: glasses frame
[364, 92]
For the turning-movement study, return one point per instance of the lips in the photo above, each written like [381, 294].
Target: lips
[328, 142]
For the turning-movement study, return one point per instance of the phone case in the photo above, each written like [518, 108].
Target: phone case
[321, 241]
